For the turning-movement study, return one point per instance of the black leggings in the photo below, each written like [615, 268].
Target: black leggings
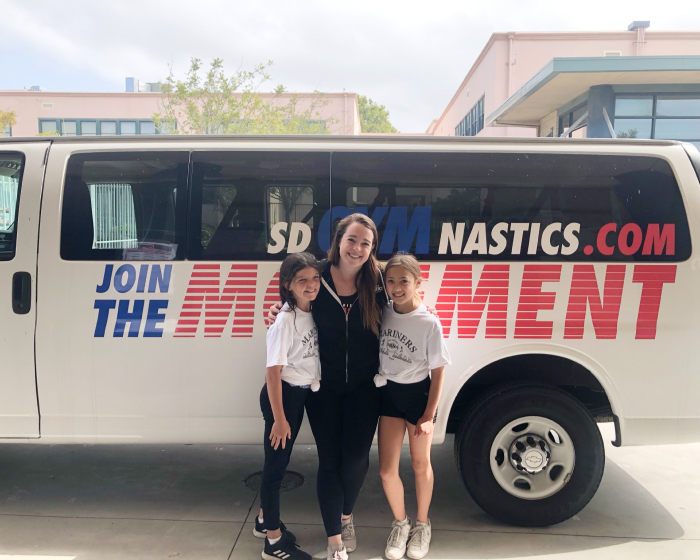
[343, 425]
[276, 460]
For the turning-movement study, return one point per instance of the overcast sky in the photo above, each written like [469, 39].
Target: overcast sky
[407, 55]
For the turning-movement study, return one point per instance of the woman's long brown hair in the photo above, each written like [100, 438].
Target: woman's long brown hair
[366, 280]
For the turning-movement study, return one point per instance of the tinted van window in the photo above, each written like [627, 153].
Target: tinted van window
[11, 166]
[125, 206]
[256, 205]
[517, 206]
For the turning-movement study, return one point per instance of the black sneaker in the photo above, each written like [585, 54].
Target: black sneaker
[260, 531]
[284, 549]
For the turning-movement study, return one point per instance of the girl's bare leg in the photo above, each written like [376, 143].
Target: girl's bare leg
[391, 434]
[423, 469]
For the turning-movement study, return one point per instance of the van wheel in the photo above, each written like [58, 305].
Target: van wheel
[530, 455]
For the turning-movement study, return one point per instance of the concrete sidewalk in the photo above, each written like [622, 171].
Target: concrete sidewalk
[190, 502]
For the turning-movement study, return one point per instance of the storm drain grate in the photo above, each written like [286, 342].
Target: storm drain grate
[290, 481]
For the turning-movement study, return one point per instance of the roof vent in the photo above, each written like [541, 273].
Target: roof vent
[136, 85]
[637, 24]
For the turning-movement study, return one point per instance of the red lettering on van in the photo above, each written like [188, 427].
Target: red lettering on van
[533, 299]
[652, 278]
[204, 293]
[601, 241]
[657, 241]
[272, 296]
[456, 291]
[584, 292]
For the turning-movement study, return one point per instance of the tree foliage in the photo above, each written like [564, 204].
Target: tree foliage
[373, 117]
[210, 102]
[7, 119]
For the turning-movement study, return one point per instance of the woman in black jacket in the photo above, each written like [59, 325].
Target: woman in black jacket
[343, 414]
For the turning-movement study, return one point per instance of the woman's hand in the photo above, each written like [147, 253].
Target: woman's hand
[281, 431]
[424, 426]
[274, 311]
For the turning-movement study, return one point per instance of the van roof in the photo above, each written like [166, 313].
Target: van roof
[330, 138]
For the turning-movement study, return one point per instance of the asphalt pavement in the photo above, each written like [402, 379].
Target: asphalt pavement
[88, 502]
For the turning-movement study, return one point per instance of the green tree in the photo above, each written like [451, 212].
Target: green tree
[210, 102]
[373, 117]
[7, 119]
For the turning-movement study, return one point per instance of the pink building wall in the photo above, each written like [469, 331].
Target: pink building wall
[30, 106]
[511, 59]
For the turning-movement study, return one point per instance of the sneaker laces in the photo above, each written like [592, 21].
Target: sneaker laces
[338, 555]
[394, 537]
[418, 534]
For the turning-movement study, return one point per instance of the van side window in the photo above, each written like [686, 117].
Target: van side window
[11, 166]
[246, 205]
[125, 206]
[517, 206]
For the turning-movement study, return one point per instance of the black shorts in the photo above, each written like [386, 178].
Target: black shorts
[405, 400]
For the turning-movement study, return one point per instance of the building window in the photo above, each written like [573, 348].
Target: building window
[473, 123]
[108, 128]
[147, 127]
[70, 128]
[48, 126]
[88, 128]
[96, 127]
[666, 117]
[7, 132]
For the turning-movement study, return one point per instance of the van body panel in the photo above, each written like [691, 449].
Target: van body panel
[112, 389]
[19, 411]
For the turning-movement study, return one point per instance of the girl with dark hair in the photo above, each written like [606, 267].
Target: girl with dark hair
[293, 372]
[343, 414]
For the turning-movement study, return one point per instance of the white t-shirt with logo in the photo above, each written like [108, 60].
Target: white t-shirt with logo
[292, 342]
[410, 345]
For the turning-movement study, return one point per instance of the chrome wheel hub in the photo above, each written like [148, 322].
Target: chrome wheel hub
[529, 454]
[532, 457]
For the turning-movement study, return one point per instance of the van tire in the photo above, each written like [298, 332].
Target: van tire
[489, 423]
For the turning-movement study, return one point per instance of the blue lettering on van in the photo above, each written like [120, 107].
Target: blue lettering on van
[130, 313]
[399, 232]
[132, 317]
[152, 330]
[103, 306]
[125, 277]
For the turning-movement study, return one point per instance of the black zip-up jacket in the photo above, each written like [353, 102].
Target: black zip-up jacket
[349, 352]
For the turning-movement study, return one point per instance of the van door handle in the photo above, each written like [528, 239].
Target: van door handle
[21, 292]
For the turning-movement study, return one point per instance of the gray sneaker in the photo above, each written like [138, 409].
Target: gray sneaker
[397, 541]
[419, 541]
[348, 534]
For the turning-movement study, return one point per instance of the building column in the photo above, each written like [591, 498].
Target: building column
[600, 97]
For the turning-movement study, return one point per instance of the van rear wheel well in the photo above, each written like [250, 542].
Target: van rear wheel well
[539, 368]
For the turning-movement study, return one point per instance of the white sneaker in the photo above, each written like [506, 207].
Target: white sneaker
[397, 541]
[337, 554]
[419, 542]
[348, 534]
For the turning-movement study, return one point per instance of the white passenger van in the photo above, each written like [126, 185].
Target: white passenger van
[138, 272]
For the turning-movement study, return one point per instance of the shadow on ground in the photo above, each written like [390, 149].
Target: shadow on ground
[153, 501]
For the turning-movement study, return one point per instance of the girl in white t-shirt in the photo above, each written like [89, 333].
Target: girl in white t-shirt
[293, 370]
[411, 362]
